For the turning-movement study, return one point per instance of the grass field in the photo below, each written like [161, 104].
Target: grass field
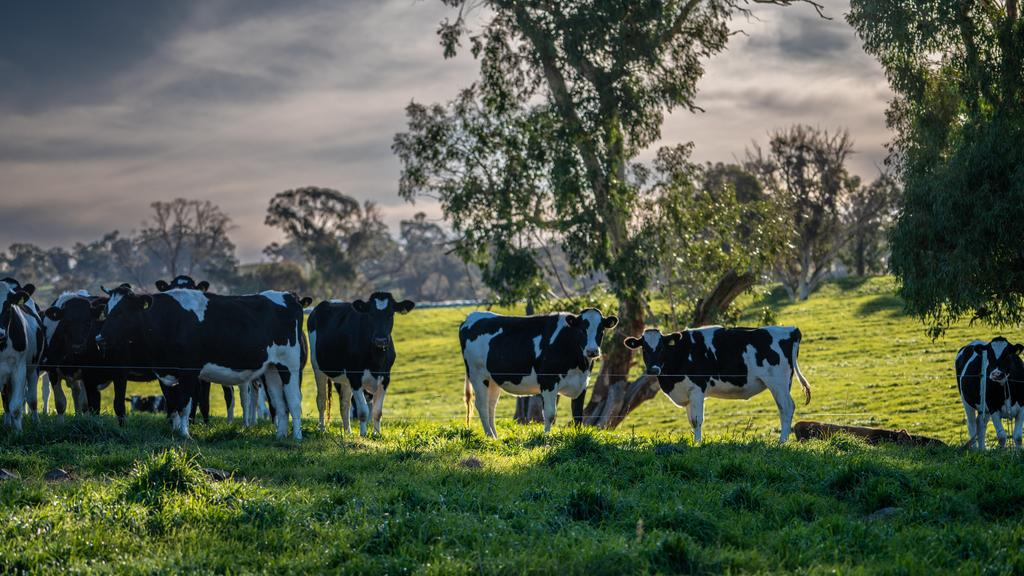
[431, 496]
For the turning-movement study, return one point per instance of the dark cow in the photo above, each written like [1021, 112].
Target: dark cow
[153, 404]
[189, 336]
[733, 363]
[994, 371]
[8, 286]
[547, 355]
[21, 346]
[72, 324]
[351, 346]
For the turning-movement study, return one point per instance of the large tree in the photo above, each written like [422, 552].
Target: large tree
[568, 96]
[188, 237]
[957, 70]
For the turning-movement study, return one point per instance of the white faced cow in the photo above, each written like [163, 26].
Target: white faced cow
[188, 336]
[733, 363]
[547, 355]
[351, 346]
[994, 371]
[21, 347]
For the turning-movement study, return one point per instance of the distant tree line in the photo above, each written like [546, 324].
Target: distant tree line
[335, 247]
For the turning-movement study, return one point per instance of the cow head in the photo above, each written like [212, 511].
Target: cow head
[656, 348]
[124, 317]
[591, 325]
[1003, 358]
[14, 298]
[71, 323]
[381, 309]
[182, 282]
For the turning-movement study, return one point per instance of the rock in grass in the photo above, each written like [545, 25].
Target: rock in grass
[8, 475]
[471, 462]
[57, 475]
[883, 513]
[216, 474]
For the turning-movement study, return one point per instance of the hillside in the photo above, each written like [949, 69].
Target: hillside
[867, 363]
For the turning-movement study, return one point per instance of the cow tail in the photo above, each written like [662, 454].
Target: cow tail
[469, 400]
[330, 398]
[799, 374]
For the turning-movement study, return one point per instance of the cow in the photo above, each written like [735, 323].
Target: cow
[527, 355]
[59, 361]
[201, 402]
[31, 311]
[732, 363]
[153, 404]
[351, 347]
[994, 371]
[21, 346]
[189, 335]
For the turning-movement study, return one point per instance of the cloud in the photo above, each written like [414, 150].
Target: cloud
[118, 104]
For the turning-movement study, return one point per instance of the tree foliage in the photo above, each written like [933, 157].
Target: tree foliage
[188, 237]
[957, 69]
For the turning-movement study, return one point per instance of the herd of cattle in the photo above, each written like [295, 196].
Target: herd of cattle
[186, 338]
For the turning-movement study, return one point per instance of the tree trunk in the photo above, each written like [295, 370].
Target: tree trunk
[529, 409]
[729, 287]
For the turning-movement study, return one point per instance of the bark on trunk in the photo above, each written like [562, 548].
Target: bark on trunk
[529, 409]
[729, 287]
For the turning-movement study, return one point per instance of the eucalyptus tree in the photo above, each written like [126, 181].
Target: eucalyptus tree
[957, 70]
[569, 94]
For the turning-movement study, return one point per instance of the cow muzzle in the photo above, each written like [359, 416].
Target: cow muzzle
[998, 376]
[381, 343]
[654, 370]
[101, 342]
[592, 353]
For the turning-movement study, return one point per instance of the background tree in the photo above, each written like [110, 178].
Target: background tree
[569, 94]
[333, 232]
[957, 69]
[868, 213]
[29, 264]
[189, 237]
[430, 271]
[805, 171]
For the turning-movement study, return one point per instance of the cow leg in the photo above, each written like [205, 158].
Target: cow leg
[345, 397]
[1018, 427]
[32, 392]
[263, 401]
[181, 403]
[44, 380]
[79, 395]
[972, 424]
[292, 378]
[549, 398]
[17, 401]
[92, 397]
[229, 402]
[362, 410]
[120, 387]
[997, 422]
[493, 393]
[982, 429]
[204, 401]
[5, 395]
[695, 411]
[321, 396]
[378, 407]
[275, 391]
[244, 401]
[784, 401]
[59, 399]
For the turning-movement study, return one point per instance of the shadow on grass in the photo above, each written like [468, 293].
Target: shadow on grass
[890, 304]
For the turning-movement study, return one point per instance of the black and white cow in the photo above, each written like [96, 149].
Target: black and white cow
[31, 310]
[995, 371]
[188, 335]
[152, 404]
[732, 363]
[351, 346]
[527, 355]
[21, 346]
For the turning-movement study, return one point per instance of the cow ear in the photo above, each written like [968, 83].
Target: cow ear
[203, 286]
[572, 321]
[20, 297]
[54, 313]
[162, 286]
[979, 348]
[30, 289]
[1017, 349]
[146, 300]
[104, 290]
[610, 322]
[360, 306]
[305, 301]
[405, 306]
[632, 343]
[674, 338]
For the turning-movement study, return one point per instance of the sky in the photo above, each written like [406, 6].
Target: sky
[109, 105]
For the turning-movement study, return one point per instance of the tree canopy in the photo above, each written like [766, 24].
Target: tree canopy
[957, 69]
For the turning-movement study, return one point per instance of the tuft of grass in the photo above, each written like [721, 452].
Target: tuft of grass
[588, 505]
[173, 471]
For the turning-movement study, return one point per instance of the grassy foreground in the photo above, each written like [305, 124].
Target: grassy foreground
[430, 498]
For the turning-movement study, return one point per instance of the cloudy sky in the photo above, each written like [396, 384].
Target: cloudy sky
[109, 105]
